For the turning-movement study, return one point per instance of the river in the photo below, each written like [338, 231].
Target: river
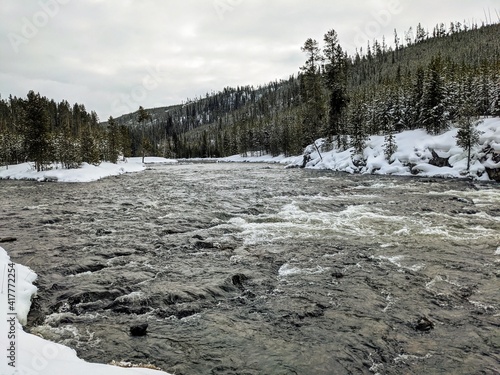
[257, 269]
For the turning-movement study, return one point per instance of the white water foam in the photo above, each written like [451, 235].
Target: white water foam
[397, 261]
[289, 270]
[292, 222]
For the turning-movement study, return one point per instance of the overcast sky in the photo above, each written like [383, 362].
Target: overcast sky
[114, 55]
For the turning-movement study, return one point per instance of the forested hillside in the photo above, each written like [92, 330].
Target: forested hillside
[423, 80]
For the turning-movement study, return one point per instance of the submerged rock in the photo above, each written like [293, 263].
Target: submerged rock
[8, 239]
[424, 324]
[493, 174]
[139, 330]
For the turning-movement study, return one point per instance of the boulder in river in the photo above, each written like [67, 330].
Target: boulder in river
[139, 330]
[8, 239]
[424, 324]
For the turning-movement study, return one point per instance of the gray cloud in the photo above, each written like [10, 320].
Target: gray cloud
[114, 55]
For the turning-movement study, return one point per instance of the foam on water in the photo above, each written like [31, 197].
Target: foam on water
[131, 297]
[289, 270]
[397, 261]
[294, 222]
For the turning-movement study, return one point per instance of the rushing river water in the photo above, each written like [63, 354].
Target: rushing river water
[254, 269]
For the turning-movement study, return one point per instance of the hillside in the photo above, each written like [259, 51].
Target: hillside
[423, 83]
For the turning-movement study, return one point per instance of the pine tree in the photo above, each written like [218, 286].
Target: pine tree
[312, 92]
[468, 135]
[335, 73]
[36, 125]
[434, 113]
[142, 116]
[390, 146]
[113, 140]
[89, 151]
[358, 133]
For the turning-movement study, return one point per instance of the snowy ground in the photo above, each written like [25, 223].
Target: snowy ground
[414, 151]
[31, 354]
[86, 173]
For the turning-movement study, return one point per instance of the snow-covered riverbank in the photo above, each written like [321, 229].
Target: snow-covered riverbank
[86, 173]
[32, 354]
[417, 153]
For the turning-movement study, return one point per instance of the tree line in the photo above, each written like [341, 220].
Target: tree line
[47, 133]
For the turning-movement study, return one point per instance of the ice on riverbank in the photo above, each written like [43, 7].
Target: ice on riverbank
[32, 354]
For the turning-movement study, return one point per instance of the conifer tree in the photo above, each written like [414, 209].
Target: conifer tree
[113, 140]
[390, 146]
[468, 135]
[312, 92]
[142, 116]
[434, 113]
[36, 125]
[335, 73]
[89, 151]
[358, 133]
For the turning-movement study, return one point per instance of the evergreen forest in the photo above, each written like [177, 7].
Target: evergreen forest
[423, 79]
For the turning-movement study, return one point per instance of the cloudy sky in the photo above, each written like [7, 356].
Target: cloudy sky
[114, 55]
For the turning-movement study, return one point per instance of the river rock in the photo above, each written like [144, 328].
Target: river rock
[102, 232]
[424, 324]
[139, 330]
[493, 174]
[439, 161]
[8, 239]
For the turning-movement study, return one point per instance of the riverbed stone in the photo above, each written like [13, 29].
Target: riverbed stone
[139, 330]
[8, 239]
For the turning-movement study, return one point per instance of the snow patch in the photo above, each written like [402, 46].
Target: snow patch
[86, 173]
[414, 152]
[34, 355]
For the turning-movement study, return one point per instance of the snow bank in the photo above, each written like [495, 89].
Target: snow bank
[33, 355]
[86, 173]
[414, 155]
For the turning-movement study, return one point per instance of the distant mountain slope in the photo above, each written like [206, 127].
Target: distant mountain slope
[423, 83]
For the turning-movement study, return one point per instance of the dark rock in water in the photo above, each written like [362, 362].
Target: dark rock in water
[238, 280]
[493, 174]
[8, 239]
[424, 324]
[102, 232]
[50, 221]
[186, 313]
[463, 200]
[139, 330]
[338, 275]
[439, 161]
